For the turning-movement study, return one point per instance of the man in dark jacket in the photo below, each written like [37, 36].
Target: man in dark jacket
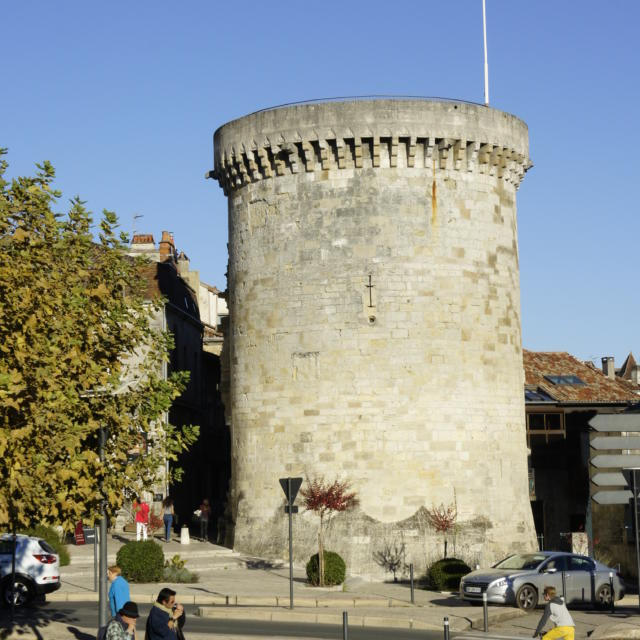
[166, 617]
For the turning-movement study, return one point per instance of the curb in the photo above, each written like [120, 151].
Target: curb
[312, 617]
[457, 623]
[622, 629]
[498, 616]
[241, 601]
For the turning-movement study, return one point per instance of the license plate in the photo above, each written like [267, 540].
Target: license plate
[473, 589]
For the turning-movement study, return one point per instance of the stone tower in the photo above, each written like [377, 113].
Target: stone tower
[375, 323]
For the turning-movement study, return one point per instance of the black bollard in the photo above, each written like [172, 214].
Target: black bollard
[413, 599]
[485, 608]
[345, 625]
[446, 628]
[613, 595]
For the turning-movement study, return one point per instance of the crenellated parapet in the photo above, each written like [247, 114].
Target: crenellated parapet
[285, 141]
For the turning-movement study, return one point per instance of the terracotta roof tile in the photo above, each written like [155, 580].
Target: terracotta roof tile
[142, 238]
[598, 388]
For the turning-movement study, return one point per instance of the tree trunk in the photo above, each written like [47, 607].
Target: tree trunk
[445, 547]
[320, 555]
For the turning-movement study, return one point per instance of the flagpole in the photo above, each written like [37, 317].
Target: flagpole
[486, 64]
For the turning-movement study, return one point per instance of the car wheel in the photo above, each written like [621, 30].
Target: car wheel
[603, 596]
[527, 597]
[21, 593]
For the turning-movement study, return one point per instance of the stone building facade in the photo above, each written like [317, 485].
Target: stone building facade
[374, 330]
[189, 306]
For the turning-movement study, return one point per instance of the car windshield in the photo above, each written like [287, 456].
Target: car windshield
[521, 561]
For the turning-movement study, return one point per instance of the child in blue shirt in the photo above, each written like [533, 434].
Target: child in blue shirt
[119, 590]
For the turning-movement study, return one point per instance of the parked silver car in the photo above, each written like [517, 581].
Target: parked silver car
[520, 579]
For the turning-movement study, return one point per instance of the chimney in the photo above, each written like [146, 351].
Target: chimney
[635, 375]
[183, 264]
[167, 247]
[142, 244]
[608, 367]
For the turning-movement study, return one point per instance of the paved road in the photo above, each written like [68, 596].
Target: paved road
[81, 619]
[587, 621]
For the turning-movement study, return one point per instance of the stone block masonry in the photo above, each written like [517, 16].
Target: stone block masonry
[375, 323]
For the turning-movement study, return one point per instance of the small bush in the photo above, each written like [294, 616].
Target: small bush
[445, 574]
[176, 562]
[141, 561]
[172, 573]
[334, 569]
[50, 535]
[175, 571]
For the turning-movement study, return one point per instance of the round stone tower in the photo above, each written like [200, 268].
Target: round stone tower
[375, 324]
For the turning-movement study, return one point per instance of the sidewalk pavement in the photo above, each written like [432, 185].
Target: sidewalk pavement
[237, 586]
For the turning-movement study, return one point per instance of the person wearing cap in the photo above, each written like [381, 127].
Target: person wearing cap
[123, 626]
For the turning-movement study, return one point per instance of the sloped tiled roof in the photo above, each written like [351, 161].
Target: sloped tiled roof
[598, 388]
[627, 367]
[143, 238]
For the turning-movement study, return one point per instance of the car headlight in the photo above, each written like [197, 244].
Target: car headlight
[500, 584]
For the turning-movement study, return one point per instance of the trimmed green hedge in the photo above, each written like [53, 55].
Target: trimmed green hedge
[50, 535]
[334, 569]
[141, 561]
[445, 574]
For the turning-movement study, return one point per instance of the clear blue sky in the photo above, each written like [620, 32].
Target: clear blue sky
[124, 97]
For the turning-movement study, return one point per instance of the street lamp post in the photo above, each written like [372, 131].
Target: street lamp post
[103, 614]
[632, 471]
[635, 520]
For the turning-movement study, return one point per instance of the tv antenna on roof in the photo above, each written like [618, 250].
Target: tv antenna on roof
[486, 64]
[136, 217]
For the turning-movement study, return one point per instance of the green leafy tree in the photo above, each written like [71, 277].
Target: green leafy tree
[79, 354]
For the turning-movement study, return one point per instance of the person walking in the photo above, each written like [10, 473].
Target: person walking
[123, 625]
[557, 610]
[166, 617]
[167, 516]
[141, 509]
[118, 591]
[205, 514]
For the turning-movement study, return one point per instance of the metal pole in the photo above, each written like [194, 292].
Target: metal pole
[290, 543]
[486, 63]
[13, 573]
[413, 599]
[635, 515]
[102, 581]
[446, 628]
[613, 597]
[95, 557]
[345, 625]
[485, 611]
[589, 524]
[564, 587]
[103, 611]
